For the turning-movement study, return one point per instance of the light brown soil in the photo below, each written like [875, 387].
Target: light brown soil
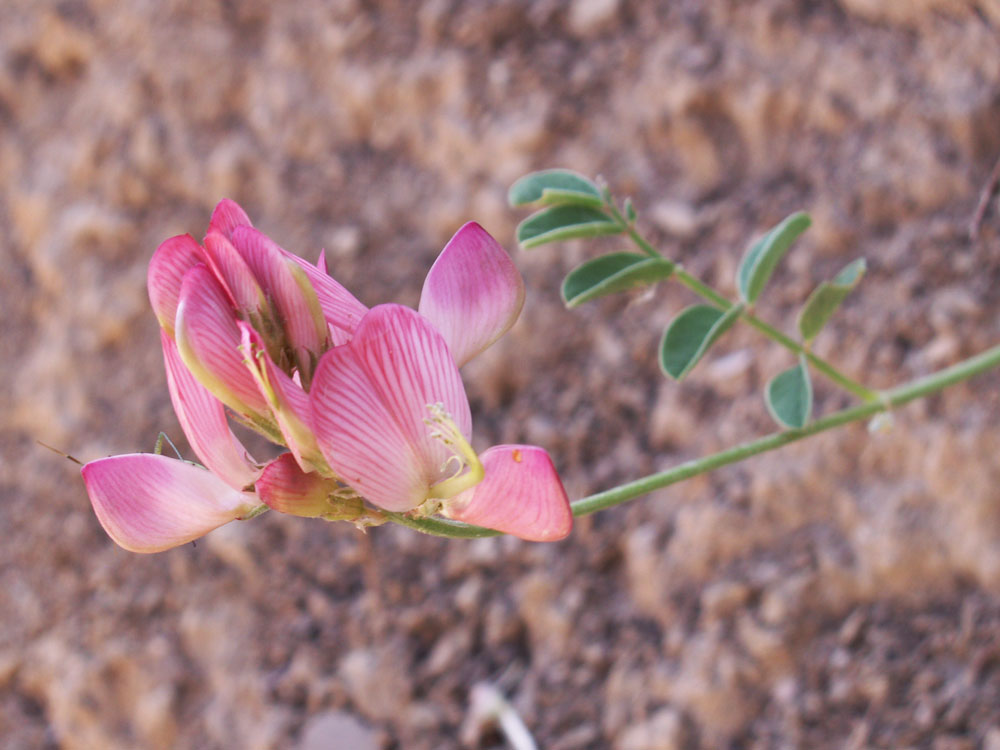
[843, 592]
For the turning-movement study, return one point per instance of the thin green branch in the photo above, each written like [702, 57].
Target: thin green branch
[441, 527]
[845, 382]
[706, 292]
[889, 399]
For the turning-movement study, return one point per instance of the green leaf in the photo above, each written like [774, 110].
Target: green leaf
[763, 256]
[554, 187]
[612, 273]
[826, 298]
[689, 335]
[790, 396]
[564, 223]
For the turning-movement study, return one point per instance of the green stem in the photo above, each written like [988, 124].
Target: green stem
[706, 292]
[441, 527]
[845, 382]
[889, 399]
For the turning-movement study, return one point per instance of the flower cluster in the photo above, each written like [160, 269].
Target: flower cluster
[369, 402]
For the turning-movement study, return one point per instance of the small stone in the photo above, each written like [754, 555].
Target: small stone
[377, 681]
[642, 552]
[728, 373]
[448, 652]
[992, 739]
[723, 598]
[786, 691]
[942, 349]
[953, 742]
[851, 628]
[229, 543]
[345, 242]
[786, 599]
[675, 217]
[63, 49]
[663, 731]
[548, 623]
[585, 735]
[589, 17]
[335, 729]
[765, 644]
[9, 663]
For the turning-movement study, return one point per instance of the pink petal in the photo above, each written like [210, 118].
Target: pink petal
[288, 402]
[410, 368]
[370, 399]
[521, 494]
[473, 293]
[150, 503]
[203, 420]
[234, 274]
[321, 262]
[285, 488]
[172, 259]
[291, 291]
[359, 438]
[208, 339]
[340, 308]
[226, 217]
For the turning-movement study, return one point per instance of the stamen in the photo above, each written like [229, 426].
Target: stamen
[468, 469]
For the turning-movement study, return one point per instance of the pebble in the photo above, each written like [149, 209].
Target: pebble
[589, 17]
[336, 730]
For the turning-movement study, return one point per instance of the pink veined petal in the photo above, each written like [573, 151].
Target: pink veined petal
[288, 402]
[203, 420]
[360, 439]
[341, 309]
[285, 488]
[208, 340]
[473, 292]
[234, 274]
[321, 262]
[172, 259]
[410, 367]
[296, 300]
[521, 494]
[226, 217]
[150, 503]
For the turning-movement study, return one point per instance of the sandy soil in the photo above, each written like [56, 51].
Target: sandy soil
[844, 592]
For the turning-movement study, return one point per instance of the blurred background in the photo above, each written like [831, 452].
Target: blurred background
[843, 592]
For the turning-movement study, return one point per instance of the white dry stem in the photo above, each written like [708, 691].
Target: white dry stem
[487, 706]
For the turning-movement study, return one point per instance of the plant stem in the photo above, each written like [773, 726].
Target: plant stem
[845, 382]
[706, 292]
[898, 396]
[441, 527]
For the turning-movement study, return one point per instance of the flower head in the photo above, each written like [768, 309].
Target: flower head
[369, 403]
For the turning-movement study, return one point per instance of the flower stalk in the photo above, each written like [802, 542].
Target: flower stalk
[609, 498]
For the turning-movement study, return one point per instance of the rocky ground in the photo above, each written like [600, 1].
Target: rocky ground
[841, 593]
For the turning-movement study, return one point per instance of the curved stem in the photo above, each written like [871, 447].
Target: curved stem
[892, 398]
[706, 292]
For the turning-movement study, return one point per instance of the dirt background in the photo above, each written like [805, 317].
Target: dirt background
[841, 593]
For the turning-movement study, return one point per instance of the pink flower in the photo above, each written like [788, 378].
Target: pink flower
[247, 327]
[392, 419]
